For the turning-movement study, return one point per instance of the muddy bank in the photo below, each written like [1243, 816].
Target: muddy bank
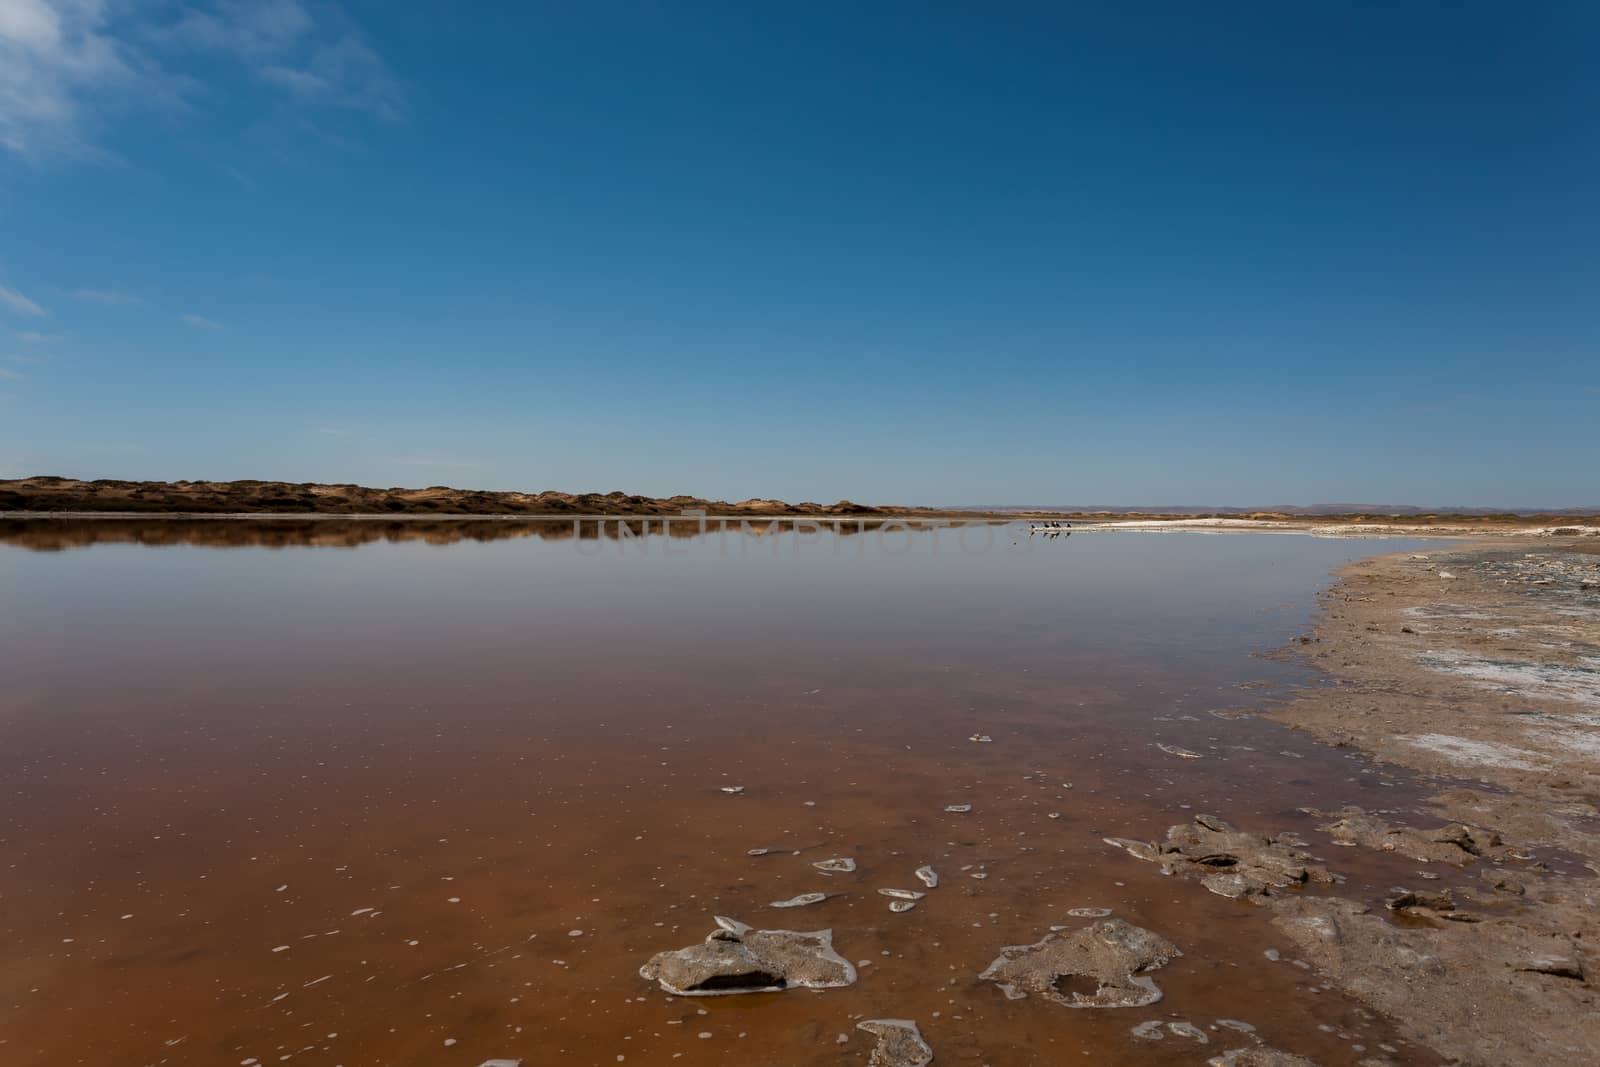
[1479, 668]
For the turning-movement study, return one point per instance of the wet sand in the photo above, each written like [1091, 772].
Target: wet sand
[216, 763]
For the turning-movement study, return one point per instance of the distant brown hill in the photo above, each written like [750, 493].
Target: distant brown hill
[53, 494]
[58, 495]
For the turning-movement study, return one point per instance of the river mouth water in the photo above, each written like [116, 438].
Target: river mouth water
[348, 795]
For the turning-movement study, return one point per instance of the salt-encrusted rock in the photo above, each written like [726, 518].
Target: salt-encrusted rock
[1261, 1056]
[902, 894]
[1157, 1030]
[1102, 965]
[837, 865]
[1139, 850]
[900, 1043]
[1229, 862]
[800, 901]
[738, 959]
[928, 877]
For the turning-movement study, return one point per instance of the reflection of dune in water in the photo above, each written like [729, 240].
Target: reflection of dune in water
[57, 535]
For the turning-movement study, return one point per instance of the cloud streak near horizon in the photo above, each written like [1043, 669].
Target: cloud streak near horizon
[19, 303]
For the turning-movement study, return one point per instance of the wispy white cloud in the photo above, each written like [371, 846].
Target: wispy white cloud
[247, 27]
[32, 337]
[58, 57]
[321, 56]
[345, 72]
[7, 374]
[300, 82]
[107, 296]
[200, 322]
[10, 297]
[67, 65]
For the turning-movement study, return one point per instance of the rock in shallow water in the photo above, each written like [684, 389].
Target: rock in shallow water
[1139, 850]
[837, 865]
[733, 926]
[738, 959]
[900, 1043]
[800, 901]
[1103, 965]
[1259, 1057]
[902, 894]
[1229, 862]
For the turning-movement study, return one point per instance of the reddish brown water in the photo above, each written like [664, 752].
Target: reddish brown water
[214, 761]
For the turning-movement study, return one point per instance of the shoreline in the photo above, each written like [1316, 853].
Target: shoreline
[1323, 527]
[1307, 526]
[1477, 669]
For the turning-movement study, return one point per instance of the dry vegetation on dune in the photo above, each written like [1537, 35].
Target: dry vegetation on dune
[69, 495]
[51, 494]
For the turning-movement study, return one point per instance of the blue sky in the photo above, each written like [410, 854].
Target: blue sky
[936, 253]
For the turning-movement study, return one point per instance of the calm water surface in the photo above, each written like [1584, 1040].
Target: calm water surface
[344, 793]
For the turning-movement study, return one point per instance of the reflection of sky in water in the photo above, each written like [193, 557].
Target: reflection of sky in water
[451, 755]
[560, 608]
